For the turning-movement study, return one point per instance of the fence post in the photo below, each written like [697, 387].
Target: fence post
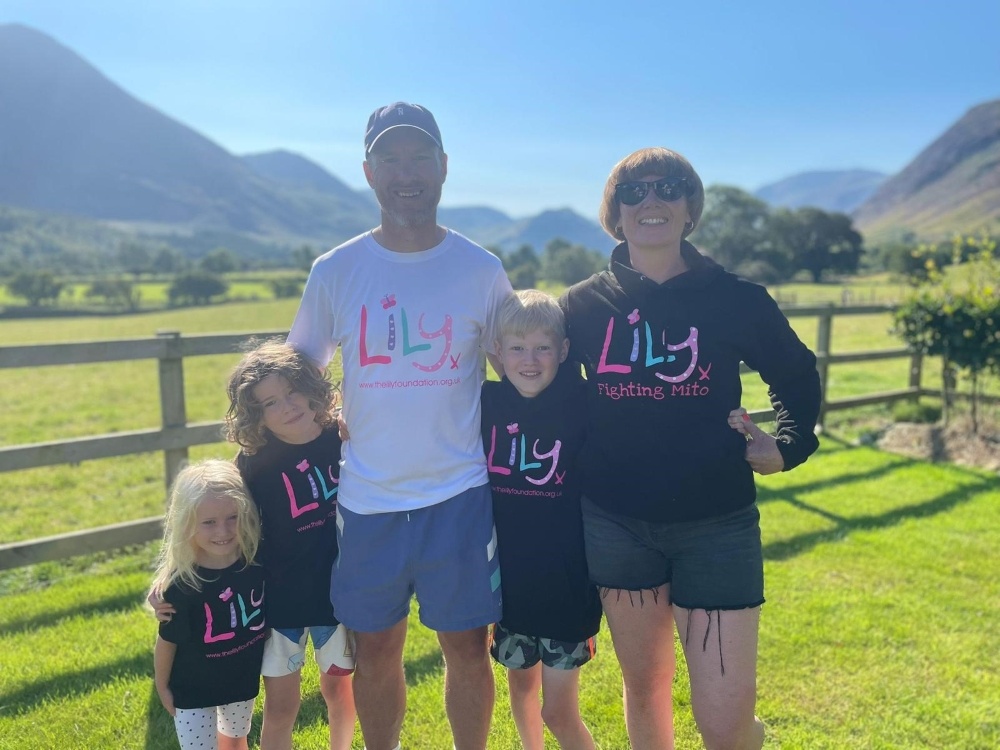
[823, 334]
[173, 412]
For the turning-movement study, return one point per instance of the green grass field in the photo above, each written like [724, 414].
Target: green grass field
[878, 632]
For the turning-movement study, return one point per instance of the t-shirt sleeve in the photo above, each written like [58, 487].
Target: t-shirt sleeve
[498, 294]
[312, 329]
[178, 628]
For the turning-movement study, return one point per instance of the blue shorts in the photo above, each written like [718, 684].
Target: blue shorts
[713, 563]
[444, 554]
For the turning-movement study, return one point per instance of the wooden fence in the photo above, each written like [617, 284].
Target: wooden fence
[175, 435]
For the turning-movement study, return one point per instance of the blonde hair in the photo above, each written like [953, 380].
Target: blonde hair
[530, 310]
[650, 161]
[245, 417]
[212, 478]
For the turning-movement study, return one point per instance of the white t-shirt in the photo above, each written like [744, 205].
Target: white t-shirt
[412, 328]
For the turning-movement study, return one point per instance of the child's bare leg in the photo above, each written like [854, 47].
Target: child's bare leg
[525, 705]
[561, 708]
[232, 743]
[281, 705]
[338, 693]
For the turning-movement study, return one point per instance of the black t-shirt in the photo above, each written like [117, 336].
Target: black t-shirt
[219, 633]
[295, 489]
[531, 447]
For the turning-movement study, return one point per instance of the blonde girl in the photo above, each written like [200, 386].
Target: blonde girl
[209, 649]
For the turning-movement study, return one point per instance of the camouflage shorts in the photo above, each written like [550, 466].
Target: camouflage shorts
[516, 651]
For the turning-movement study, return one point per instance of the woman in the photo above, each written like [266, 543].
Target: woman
[670, 518]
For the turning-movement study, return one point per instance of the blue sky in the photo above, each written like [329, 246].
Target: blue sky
[537, 100]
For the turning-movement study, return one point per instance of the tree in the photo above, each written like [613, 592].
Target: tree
[285, 288]
[955, 314]
[734, 228]
[816, 241]
[167, 261]
[219, 261]
[303, 257]
[522, 267]
[134, 258]
[196, 288]
[35, 286]
[564, 263]
[115, 292]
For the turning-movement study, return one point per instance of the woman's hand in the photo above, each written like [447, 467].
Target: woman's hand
[762, 449]
[163, 610]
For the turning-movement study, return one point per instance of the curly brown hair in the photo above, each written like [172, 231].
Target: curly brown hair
[245, 418]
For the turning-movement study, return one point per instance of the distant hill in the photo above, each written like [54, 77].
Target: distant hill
[953, 185]
[840, 191]
[74, 143]
[538, 230]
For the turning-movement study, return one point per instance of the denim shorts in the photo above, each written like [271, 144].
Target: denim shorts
[712, 563]
[445, 554]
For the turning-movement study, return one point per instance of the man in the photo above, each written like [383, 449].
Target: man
[411, 305]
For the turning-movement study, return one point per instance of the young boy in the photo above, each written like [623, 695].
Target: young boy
[533, 425]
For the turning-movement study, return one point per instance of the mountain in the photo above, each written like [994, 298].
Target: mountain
[840, 191]
[953, 185]
[73, 142]
[538, 230]
[482, 224]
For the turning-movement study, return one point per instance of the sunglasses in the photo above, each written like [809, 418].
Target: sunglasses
[668, 189]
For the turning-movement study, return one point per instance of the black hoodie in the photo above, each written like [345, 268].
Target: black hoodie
[663, 365]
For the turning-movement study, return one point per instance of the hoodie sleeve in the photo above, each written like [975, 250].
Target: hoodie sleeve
[789, 368]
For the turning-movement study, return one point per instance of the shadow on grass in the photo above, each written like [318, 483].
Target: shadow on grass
[71, 685]
[427, 666]
[110, 605]
[843, 525]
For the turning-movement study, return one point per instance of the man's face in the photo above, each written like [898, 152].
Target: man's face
[406, 169]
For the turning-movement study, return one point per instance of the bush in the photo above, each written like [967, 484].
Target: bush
[915, 411]
[286, 288]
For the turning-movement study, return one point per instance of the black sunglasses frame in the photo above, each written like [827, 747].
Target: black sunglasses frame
[668, 189]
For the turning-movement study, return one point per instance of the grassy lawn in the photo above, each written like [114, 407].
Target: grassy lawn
[879, 631]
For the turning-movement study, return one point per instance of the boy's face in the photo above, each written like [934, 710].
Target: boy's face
[531, 362]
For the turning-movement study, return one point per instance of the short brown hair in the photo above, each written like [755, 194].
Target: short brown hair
[245, 418]
[649, 161]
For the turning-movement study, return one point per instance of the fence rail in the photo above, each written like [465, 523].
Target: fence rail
[176, 435]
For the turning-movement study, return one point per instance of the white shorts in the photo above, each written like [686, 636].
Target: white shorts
[197, 727]
[285, 650]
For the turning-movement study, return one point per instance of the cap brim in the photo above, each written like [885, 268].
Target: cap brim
[402, 125]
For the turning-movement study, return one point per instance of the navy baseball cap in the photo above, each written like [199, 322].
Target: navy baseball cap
[400, 115]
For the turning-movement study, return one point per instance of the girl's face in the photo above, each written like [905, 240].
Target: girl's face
[286, 412]
[216, 542]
